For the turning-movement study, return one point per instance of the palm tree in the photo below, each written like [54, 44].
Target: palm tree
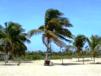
[54, 29]
[79, 42]
[12, 38]
[94, 41]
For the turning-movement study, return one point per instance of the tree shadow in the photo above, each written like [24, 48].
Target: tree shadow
[84, 60]
[96, 63]
[26, 62]
[14, 63]
[8, 64]
[66, 64]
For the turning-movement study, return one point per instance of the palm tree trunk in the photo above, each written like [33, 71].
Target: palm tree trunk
[83, 60]
[94, 59]
[47, 56]
[78, 53]
[78, 57]
[61, 55]
[6, 58]
[83, 56]
[91, 57]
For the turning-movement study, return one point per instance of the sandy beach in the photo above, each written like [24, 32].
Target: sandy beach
[36, 68]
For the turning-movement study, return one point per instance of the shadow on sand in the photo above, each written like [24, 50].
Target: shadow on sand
[8, 64]
[26, 62]
[96, 63]
[84, 60]
[66, 64]
[14, 63]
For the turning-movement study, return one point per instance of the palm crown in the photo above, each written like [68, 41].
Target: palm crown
[54, 29]
[12, 38]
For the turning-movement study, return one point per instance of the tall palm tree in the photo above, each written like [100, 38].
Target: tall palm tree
[12, 38]
[54, 29]
[94, 42]
[79, 42]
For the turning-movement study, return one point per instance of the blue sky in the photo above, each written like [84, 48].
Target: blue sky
[85, 15]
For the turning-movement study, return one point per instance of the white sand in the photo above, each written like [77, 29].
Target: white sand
[36, 68]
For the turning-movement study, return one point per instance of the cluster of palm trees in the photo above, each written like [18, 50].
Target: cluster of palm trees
[55, 29]
[94, 45]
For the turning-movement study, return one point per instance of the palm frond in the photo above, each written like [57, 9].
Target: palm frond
[64, 21]
[34, 32]
[51, 34]
[56, 39]
[2, 34]
[41, 27]
[63, 38]
[64, 32]
[59, 43]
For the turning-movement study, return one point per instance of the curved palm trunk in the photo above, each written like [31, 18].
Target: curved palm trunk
[83, 57]
[78, 56]
[47, 55]
[61, 55]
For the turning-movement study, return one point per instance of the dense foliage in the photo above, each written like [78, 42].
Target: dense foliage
[12, 39]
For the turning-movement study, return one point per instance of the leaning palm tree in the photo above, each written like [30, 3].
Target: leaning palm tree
[94, 42]
[79, 42]
[12, 38]
[54, 29]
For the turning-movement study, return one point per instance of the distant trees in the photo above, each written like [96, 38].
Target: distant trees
[94, 44]
[95, 41]
[79, 42]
